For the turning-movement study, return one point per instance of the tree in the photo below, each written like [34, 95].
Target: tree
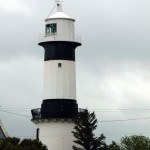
[29, 144]
[134, 142]
[114, 146]
[10, 144]
[17, 144]
[84, 128]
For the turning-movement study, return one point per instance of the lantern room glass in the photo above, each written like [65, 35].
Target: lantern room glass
[51, 29]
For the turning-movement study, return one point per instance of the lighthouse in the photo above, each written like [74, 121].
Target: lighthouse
[55, 119]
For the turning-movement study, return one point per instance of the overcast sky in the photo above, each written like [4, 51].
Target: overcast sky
[112, 65]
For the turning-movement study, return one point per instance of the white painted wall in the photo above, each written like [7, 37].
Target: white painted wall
[65, 30]
[56, 135]
[59, 82]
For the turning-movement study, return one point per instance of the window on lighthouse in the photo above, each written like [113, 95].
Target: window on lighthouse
[59, 65]
[51, 29]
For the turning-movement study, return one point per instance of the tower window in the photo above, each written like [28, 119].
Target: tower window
[51, 28]
[59, 65]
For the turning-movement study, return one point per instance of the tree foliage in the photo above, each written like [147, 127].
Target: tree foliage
[17, 144]
[134, 142]
[114, 146]
[84, 128]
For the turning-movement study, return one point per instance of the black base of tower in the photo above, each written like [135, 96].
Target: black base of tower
[56, 108]
[59, 108]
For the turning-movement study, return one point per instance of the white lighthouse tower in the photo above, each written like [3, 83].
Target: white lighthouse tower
[55, 118]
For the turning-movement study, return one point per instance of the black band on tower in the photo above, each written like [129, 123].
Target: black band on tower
[59, 50]
[59, 108]
[56, 108]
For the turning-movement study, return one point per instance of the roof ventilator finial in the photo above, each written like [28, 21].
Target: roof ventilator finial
[59, 5]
